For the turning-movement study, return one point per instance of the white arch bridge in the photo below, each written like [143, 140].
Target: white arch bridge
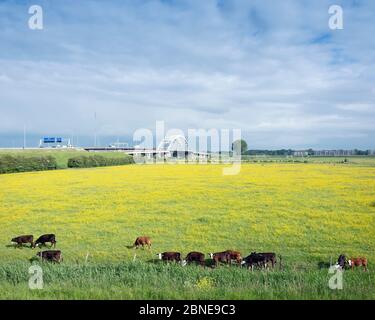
[174, 146]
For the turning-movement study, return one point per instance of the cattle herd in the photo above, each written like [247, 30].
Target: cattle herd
[343, 262]
[264, 260]
[48, 255]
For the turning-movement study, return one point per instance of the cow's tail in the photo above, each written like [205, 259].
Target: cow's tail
[280, 261]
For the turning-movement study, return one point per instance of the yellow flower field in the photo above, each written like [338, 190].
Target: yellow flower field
[305, 212]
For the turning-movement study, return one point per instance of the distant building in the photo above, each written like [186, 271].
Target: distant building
[300, 153]
[333, 153]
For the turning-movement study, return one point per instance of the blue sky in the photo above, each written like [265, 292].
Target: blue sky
[272, 68]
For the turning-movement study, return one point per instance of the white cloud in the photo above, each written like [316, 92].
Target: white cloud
[270, 68]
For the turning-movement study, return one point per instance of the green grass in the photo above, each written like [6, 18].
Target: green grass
[61, 156]
[135, 280]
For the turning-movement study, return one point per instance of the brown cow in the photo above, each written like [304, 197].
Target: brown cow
[170, 256]
[51, 255]
[194, 256]
[24, 239]
[220, 257]
[234, 255]
[357, 262]
[142, 241]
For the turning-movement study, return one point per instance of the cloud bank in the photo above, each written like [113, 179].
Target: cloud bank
[273, 69]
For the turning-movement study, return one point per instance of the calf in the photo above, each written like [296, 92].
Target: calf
[234, 255]
[46, 238]
[357, 262]
[170, 256]
[194, 256]
[220, 257]
[51, 255]
[142, 241]
[24, 239]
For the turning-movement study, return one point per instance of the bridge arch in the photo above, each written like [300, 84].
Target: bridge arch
[173, 143]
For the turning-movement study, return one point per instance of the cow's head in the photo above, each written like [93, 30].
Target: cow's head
[159, 255]
[337, 266]
[183, 263]
[341, 259]
[211, 255]
[350, 262]
[243, 262]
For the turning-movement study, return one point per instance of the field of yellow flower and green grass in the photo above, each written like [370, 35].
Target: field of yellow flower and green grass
[308, 213]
